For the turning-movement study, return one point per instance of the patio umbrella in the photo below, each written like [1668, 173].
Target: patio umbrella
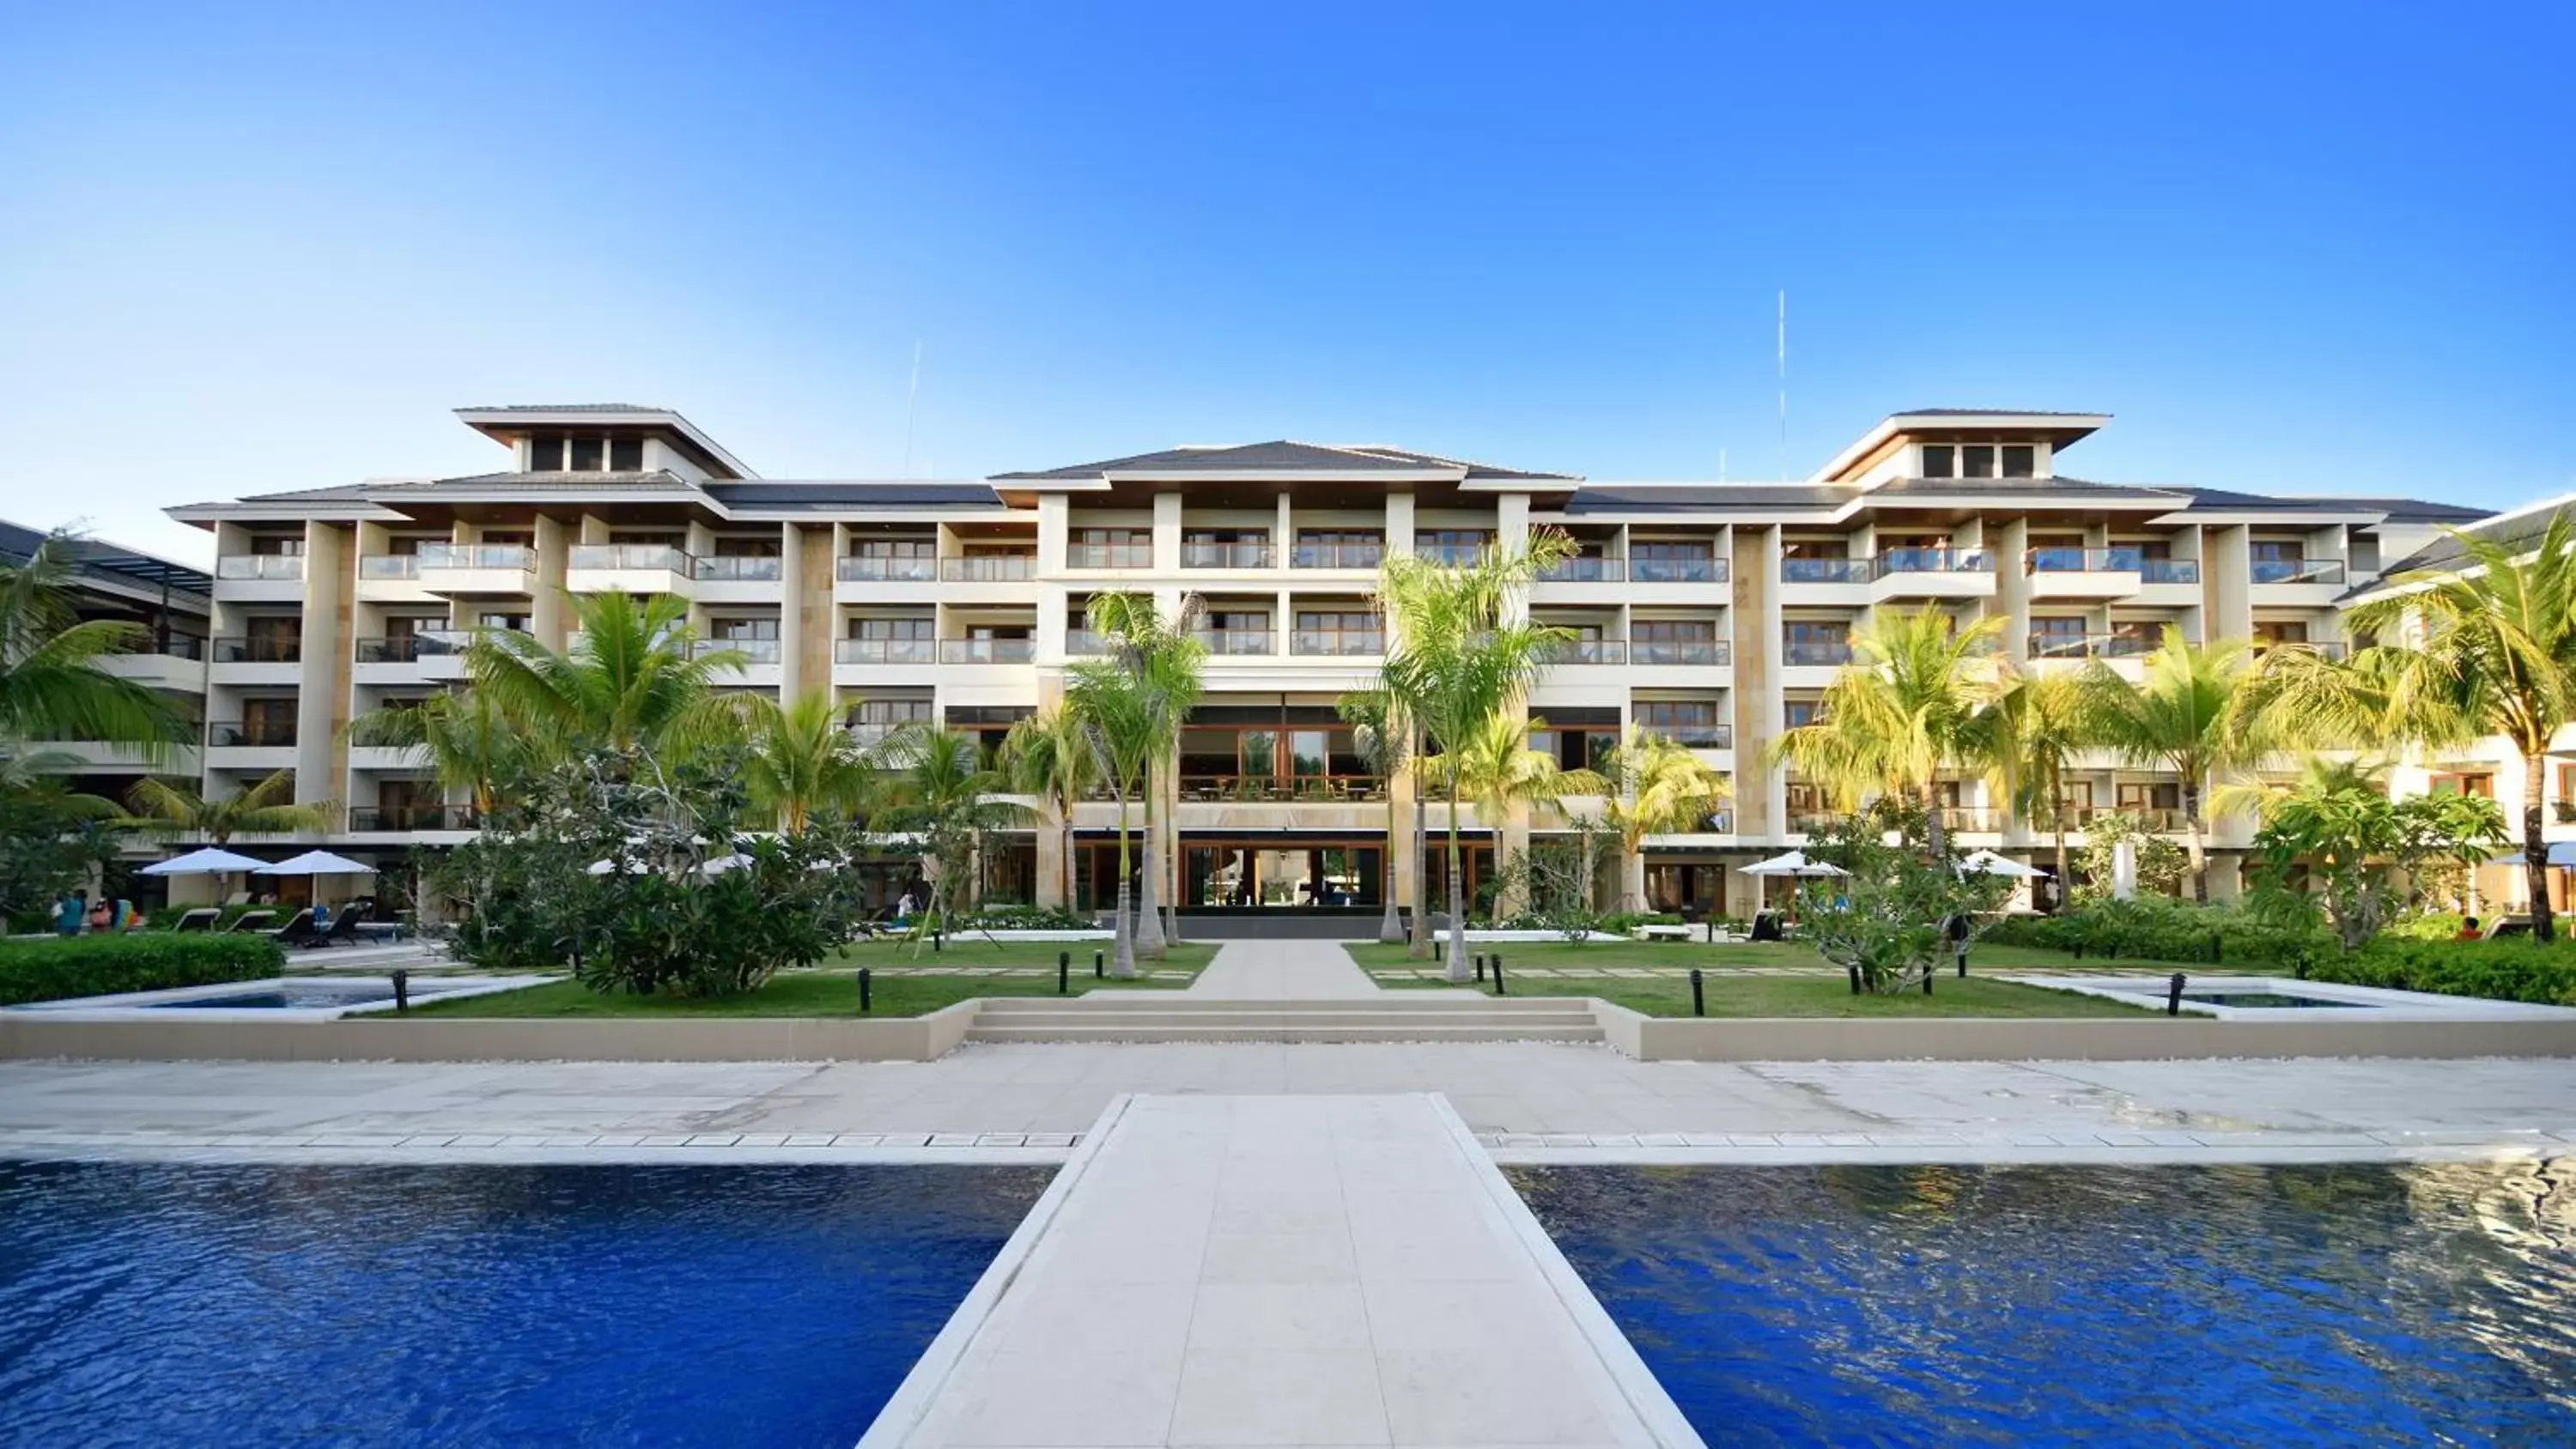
[209, 861]
[317, 862]
[2561, 852]
[1793, 863]
[1987, 862]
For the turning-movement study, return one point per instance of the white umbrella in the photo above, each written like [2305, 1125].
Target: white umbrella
[317, 862]
[209, 861]
[1794, 863]
[1987, 862]
[717, 866]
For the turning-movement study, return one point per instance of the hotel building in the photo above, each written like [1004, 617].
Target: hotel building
[1714, 613]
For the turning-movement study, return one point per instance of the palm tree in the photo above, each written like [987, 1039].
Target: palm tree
[1497, 770]
[162, 807]
[51, 685]
[2196, 712]
[2497, 656]
[801, 762]
[1168, 664]
[1110, 706]
[1045, 755]
[633, 681]
[943, 788]
[1379, 735]
[1656, 786]
[460, 735]
[2039, 726]
[1457, 660]
[1903, 710]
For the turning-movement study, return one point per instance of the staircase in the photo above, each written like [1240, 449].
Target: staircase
[1149, 1016]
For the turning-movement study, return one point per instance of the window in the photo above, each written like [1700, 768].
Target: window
[2056, 637]
[1977, 460]
[1980, 460]
[2019, 459]
[277, 545]
[1940, 460]
[2144, 795]
[2280, 631]
[751, 628]
[626, 455]
[586, 455]
[1664, 560]
[1111, 548]
[502, 621]
[2567, 782]
[1797, 712]
[890, 628]
[1455, 547]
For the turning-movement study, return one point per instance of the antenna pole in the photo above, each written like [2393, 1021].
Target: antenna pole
[912, 405]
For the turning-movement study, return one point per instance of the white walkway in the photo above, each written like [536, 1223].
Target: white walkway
[1283, 971]
[1276, 1271]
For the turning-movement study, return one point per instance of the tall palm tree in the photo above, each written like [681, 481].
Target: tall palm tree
[2196, 712]
[1379, 735]
[1168, 664]
[51, 685]
[801, 763]
[1045, 755]
[1109, 703]
[2496, 656]
[164, 807]
[468, 746]
[1902, 711]
[633, 681]
[1497, 770]
[2038, 728]
[942, 787]
[1459, 657]
[1656, 786]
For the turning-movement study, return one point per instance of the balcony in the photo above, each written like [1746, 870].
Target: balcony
[267, 567]
[2084, 573]
[987, 651]
[1677, 570]
[259, 649]
[1085, 643]
[1228, 554]
[2322, 648]
[1235, 642]
[1693, 736]
[389, 566]
[1796, 570]
[884, 651]
[1338, 555]
[1109, 556]
[1347, 643]
[630, 568]
[2169, 570]
[1451, 555]
[882, 569]
[1312, 789]
[990, 568]
[1971, 820]
[1932, 573]
[742, 569]
[2267, 571]
[413, 647]
[477, 568]
[1706, 653]
[1589, 570]
[1816, 653]
[2094, 646]
[1589, 651]
[753, 651]
[251, 735]
[406, 818]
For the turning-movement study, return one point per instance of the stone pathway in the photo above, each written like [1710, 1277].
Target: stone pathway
[1280, 1271]
[1262, 970]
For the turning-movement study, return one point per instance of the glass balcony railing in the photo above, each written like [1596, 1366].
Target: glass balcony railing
[273, 566]
[1971, 819]
[259, 649]
[174, 644]
[1693, 736]
[1811, 652]
[1238, 641]
[989, 568]
[862, 568]
[754, 651]
[1253, 553]
[411, 648]
[2169, 570]
[1085, 643]
[1590, 651]
[1934, 561]
[1680, 651]
[2095, 646]
[1677, 570]
[389, 566]
[1450, 555]
[987, 651]
[1313, 555]
[869, 733]
[2297, 570]
[631, 558]
[1587, 570]
[727, 568]
[1109, 556]
[1326, 789]
[1360, 643]
[412, 817]
[250, 734]
[434, 556]
[2113, 560]
[1824, 570]
[885, 651]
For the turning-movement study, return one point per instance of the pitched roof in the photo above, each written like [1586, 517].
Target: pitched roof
[1989, 413]
[2078, 487]
[18, 543]
[1277, 456]
[567, 408]
[656, 480]
[2513, 530]
[1659, 498]
[824, 494]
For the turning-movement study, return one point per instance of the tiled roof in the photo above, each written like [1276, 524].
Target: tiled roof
[1278, 456]
[1664, 498]
[656, 480]
[825, 494]
[567, 408]
[337, 493]
[2513, 530]
[18, 543]
[2080, 487]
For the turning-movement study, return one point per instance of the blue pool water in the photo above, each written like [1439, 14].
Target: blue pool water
[234, 1305]
[298, 994]
[2149, 1306]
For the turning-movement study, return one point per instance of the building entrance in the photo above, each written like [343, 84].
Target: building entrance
[1281, 875]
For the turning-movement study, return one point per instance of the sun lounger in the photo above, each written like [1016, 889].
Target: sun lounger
[298, 932]
[202, 918]
[249, 921]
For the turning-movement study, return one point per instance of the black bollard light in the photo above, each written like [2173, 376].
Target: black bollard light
[1480, 966]
[938, 940]
[1063, 972]
[1498, 973]
[1854, 973]
[1927, 981]
[2216, 948]
[1699, 997]
[1963, 963]
[402, 990]
[2173, 996]
[867, 991]
[1099, 972]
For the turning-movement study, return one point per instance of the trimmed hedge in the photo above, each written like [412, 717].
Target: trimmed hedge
[105, 964]
[2507, 970]
[2158, 928]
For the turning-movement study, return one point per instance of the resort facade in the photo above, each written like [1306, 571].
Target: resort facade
[1713, 613]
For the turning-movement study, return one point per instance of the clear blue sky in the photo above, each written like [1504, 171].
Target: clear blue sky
[2298, 248]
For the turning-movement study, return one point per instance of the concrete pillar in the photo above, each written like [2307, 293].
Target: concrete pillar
[546, 608]
[2227, 582]
[1167, 532]
[322, 699]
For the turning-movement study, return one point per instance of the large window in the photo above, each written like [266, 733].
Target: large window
[584, 453]
[1338, 631]
[1455, 547]
[1816, 641]
[1339, 548]
[1980, 460]
[1110, 548]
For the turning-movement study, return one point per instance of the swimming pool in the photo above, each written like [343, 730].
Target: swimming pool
[2103, 1306]
[472, 1305]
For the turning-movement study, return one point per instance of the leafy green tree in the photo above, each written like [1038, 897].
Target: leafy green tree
[166, 807]
[1655, 786]
[1168, 666]
[1378, 733]
[2159, 865]
[46, 834]
[1046, 756]
[800, 764]
[633, 680]
[2038, 728]
[2338, 821]
[463, 738]
[1111, 705]
[1460, 656]
[1906, 708]
[1886, 920]
[51, 684]
[1497, 770]
[2198, 713]
[943, 790]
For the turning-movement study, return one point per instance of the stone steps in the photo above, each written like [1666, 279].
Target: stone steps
[1120, 1016]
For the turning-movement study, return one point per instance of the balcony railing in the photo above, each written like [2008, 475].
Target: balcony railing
[1971, 819]
[1353, 642]
[1589, 651]
[174, 644]
[1238, 641]
[731, 568]
[1251, 553]
[477, 556]
[989, 568]
[987, 651]
[863, 568]
[389, 566]
[1085, 642]
[260, 566]
[1589, 570]
[412, 817]
[1694, 736]
[1109, 556]
[634, 557]
[253, 734]
[2070, 560]
[1680, 651]
[2169, 570]
[2094, 646]
[1326, 789]
[1934, 561]
[259, 649]
[868, 733]
[2297, 570]
[1451, 555]
[754, 651]
[1337, 555]
[1677, 570]
[885, 651]
[417, 645]
[1816, 651]
[2160, 820]
[1824, 570]
[2324, 648]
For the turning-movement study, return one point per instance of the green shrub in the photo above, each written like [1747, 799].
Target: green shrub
[2427, 926]
[2262, 930]
[2507, 970]
[106, 964]
[1011, 916]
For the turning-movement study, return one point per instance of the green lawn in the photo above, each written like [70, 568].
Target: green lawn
[835, 991]
[1783, 955]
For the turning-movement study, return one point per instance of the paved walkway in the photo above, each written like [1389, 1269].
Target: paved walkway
[1261, 970]
[1530, 1099]
[1277, 1271]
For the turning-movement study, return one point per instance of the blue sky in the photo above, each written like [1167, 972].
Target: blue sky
[2290, 248]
